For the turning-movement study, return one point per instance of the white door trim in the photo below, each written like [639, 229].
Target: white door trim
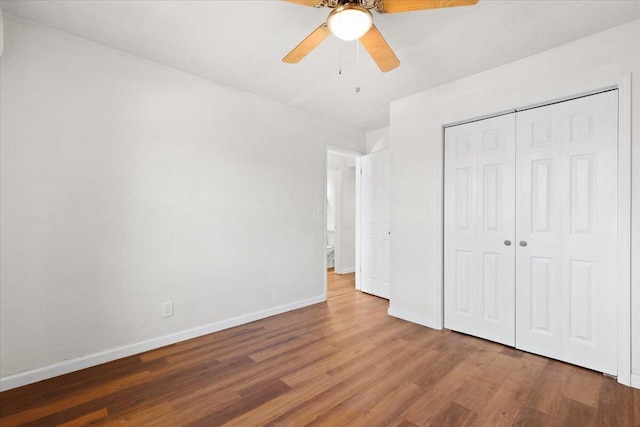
[624, 229]
[623, 84]
[356, 155]
[358, 219]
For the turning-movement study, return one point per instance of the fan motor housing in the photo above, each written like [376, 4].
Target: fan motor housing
[367, 4]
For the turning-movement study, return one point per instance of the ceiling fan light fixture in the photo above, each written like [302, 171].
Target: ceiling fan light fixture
[349, 21]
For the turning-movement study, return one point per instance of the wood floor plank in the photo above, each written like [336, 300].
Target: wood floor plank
[530, 417]
[548, 390]
[529, 370]
[345, 413]
[70, 400]
[636, 407]
[499, 369]
[455, 416]
[282, 368]
[329, 398]
[282, 405]
[583, 387]
[340, 363]
[440, 366]
[226, 338]
[615, 405]
[92, 418]
[330, 363]
[389, 407]
[61, 388]
[373, 357]
[474, 393]
[402, 423]
[505, 405]
[292, 343]
[257, 397]
[574, 413]
[340, 284]
[439, 396]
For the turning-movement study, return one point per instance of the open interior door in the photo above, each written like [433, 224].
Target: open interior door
[375, 252]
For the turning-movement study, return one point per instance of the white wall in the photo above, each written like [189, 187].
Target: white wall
[378, 140]
[125, 184]
[416, 142]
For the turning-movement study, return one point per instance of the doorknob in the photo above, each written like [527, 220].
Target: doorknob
[507, 242]
[523, 243]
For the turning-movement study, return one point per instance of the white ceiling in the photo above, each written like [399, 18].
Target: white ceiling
[240, 43]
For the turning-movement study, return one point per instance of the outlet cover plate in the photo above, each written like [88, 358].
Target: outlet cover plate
[167, 309]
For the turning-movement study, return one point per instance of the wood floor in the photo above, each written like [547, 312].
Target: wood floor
[340, 284]
[340, 363]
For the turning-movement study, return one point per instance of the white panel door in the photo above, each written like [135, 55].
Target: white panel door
[479, 228]
[566, 213]
[376, 224]
[539, 210]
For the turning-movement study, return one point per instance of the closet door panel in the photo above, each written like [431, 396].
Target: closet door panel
[566, 214]
[538, 213]
[460, 290]
[589, 248]
[496, 224]
[479, 218]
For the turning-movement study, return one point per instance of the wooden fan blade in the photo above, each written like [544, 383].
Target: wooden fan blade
[312, 3]
[395, 6]
[307, 45]
[379, 50]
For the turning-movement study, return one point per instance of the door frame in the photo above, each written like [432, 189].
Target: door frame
[623, 84]
[356, 155]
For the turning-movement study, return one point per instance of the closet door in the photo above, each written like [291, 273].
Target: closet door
[479, 228]
[567, 231]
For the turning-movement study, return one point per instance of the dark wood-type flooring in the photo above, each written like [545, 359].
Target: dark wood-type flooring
[340, 363]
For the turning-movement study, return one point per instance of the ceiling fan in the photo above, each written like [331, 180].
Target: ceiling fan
[351, 20]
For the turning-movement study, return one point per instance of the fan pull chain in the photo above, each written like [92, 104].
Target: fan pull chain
[339, 60]
[357, 63]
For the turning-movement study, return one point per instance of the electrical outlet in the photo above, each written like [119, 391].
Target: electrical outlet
[167, 309]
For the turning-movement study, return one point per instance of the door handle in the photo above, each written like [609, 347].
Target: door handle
[507, 242]
[523, 243]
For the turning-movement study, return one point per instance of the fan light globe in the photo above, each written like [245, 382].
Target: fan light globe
[349, 21]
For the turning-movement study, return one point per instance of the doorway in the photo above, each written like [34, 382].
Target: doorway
[341, 221]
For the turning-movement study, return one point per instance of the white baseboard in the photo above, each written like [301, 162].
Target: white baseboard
[346, 270]
[414, 318]
[67, 366]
